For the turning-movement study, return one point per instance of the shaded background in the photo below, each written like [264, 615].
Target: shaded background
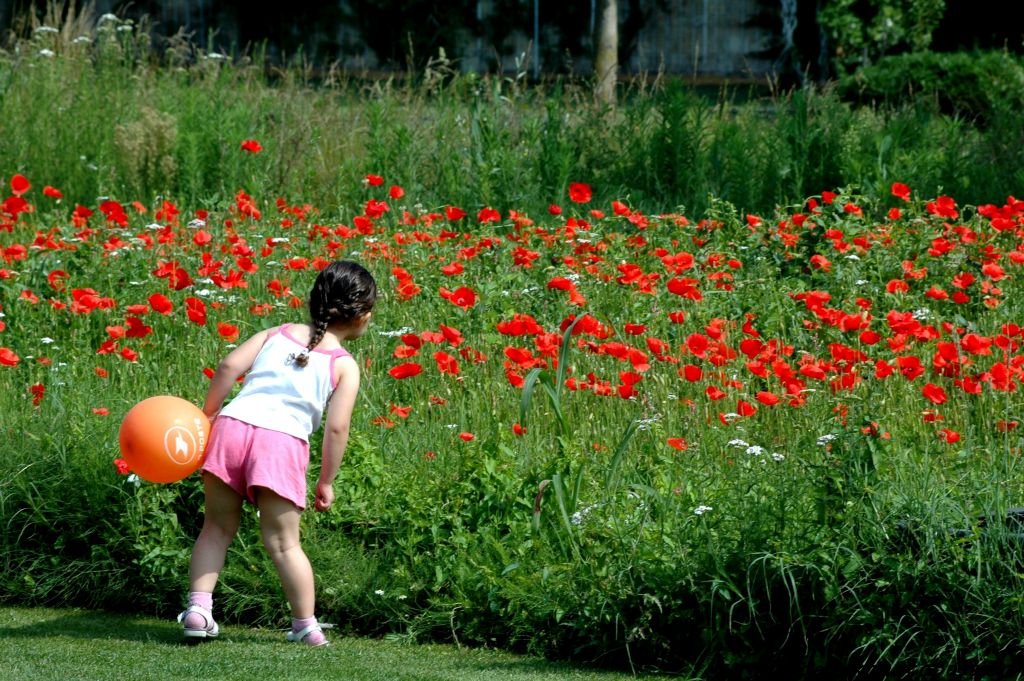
[723, 39]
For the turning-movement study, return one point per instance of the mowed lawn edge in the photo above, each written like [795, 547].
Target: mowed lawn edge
[87, 645]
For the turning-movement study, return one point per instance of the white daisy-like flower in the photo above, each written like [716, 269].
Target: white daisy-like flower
[47, 53]
[46, 29]
[379, 592]
[777, 457]
[397, 332]
[702, 509]
[756, 450]
[737, 443]
[825, 439]
[46, 340]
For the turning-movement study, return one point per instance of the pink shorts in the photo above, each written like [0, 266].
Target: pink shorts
[245, 456]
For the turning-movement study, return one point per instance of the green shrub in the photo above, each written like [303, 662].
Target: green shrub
[979, 86]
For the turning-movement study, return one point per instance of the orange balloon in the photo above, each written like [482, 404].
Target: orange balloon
[163, 438]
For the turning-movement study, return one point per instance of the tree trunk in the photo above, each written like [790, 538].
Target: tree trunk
[606, 61]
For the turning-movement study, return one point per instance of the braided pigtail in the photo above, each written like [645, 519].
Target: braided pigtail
[319, 329]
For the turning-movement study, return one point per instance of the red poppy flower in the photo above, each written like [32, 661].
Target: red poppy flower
[463, 297]
[580, 192]
[900, 191]
[101, 411]
[518, 429]
[8, 358]
[487, 214]
[122, 466]
[229, 332]
[252, 146]
[446, 364]
[38, 392]
[714, 392]
[678, 443]
[374, 180]
[196, 310]
[19, 185]
[934, 393]
[406, 370]
[454, 214]
[467, 437]
[766, 398]
[53, 192]
[949, 436]
[57, 279]
[396, 192]
[401, 412]
[161, 303]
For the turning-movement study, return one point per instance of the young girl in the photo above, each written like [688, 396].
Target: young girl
[259, 445]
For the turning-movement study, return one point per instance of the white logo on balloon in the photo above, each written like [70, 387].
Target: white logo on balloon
[180, 445]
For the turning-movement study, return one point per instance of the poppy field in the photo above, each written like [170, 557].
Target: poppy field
[727, 441]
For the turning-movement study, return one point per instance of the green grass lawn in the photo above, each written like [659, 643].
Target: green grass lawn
[41, 644]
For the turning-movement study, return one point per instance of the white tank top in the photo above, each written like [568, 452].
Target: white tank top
[280, 395]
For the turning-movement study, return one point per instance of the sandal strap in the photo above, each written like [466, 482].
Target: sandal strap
[303, 633]
[196, 609]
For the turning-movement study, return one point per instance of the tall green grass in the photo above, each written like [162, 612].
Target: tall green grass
[96, 110]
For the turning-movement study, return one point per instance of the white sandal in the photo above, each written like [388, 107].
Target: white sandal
[300, 635]
[211, 629]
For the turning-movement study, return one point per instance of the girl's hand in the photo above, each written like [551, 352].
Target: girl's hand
[324, 496]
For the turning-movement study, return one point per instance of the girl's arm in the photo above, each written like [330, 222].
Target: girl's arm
[236, 363]
[339, 418]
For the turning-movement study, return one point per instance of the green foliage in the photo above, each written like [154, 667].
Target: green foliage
[864, 32]
[981, 86]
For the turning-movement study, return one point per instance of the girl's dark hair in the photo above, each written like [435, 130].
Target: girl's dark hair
[343, 291]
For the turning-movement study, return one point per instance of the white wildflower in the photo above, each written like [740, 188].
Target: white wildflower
[108, 17]
[702, 509]
[81, 40]
[756, 450]
[922, 314]
[197, 223]
[47, 53]
[730, 417]
[853, 256]
[393, 334]
[379, 592]
[216, 56]
[645, 424]
[777, 457]
[46, 340]
[825, 439]
[279, 240]
[46, 29]
[737, 443]
[861, 282]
